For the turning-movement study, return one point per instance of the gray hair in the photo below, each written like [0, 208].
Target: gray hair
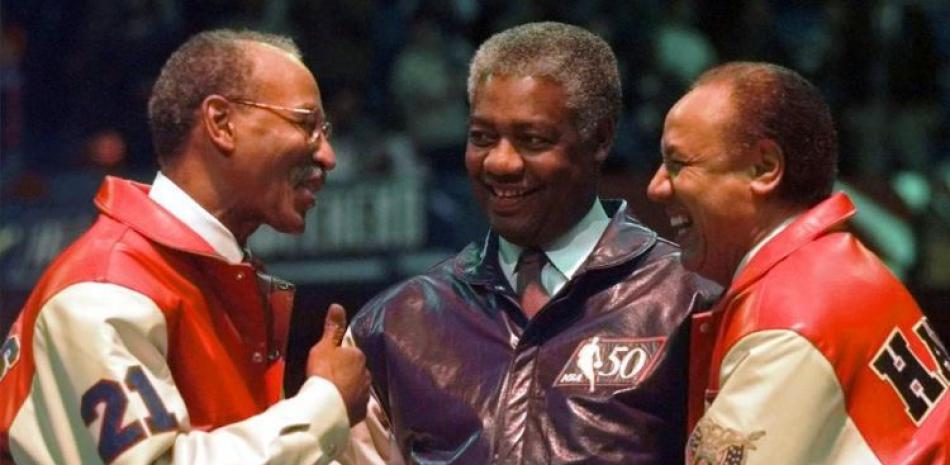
[211, 62]
[574, 58]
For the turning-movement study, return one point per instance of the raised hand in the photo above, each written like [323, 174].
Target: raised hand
[345, 367]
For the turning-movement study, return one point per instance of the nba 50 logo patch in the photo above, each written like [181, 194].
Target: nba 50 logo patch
[601, 361]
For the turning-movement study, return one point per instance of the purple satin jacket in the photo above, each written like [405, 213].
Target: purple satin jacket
[597, 377]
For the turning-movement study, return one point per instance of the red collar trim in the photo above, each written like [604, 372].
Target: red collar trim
[128, 203]
[829, 215]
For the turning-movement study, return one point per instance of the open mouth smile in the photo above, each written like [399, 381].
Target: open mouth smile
[312, 179]
[511, 192]
[680, 223]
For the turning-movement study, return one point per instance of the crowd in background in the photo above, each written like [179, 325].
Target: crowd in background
[76, 76]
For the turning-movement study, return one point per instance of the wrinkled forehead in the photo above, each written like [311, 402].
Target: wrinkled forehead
[520, 98]
[702, 117]
[276, 71]
[708, 105]
[519, 76]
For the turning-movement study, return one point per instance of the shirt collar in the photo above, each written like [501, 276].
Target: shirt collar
[758, 246]
[566, 253]
[167, 194]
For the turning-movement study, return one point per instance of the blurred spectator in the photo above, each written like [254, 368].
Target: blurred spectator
[363, 148]
[682, 52]
[428, 86]
[90, 64]
[11, 94]
[107, 151]
[335, 36]
[261, 15]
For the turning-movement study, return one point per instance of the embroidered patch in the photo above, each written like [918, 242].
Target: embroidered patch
[610, 362]
[712, 444]
[918, 386]
[9, 354]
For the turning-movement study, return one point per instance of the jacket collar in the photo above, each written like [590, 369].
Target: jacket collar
[128, 203]
[623, 240]
[174, 199]
[829, 215]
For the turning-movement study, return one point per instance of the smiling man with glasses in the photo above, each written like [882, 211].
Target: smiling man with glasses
[153, 338]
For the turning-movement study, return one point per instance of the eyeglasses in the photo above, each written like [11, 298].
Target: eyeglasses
[309, 124]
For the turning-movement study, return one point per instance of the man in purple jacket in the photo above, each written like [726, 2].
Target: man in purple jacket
[562, 337]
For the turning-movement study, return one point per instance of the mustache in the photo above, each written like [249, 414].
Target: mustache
[302, 174]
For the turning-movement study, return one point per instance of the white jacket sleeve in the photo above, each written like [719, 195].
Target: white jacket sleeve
[779, 402]
[103, 393]
[371, 441]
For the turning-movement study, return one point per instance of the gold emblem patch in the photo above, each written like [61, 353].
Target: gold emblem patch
[712, 444]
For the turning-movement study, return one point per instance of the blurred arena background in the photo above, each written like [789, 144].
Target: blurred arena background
[75, 76]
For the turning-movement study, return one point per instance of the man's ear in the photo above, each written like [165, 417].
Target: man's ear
[215, 116]
[768, 167]
[603, 139]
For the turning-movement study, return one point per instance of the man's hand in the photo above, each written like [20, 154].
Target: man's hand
[345, 367]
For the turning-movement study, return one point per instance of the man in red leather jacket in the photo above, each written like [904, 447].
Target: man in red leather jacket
[821, 354]
[152, 339]
[481, 360]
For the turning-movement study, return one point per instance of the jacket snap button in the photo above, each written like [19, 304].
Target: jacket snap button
[257, 357]
[704, 328]
[239, 276]
[273, 355]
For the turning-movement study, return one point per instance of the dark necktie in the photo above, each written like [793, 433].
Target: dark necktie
[532, 293]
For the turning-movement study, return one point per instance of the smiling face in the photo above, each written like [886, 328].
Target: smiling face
[704, 182]
[531, 170]
[276, 170]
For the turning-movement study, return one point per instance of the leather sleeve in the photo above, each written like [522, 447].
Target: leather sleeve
[103, 391]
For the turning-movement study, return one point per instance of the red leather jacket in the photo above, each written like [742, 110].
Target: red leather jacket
[225, 336]
[597, 377]
[823, 356]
